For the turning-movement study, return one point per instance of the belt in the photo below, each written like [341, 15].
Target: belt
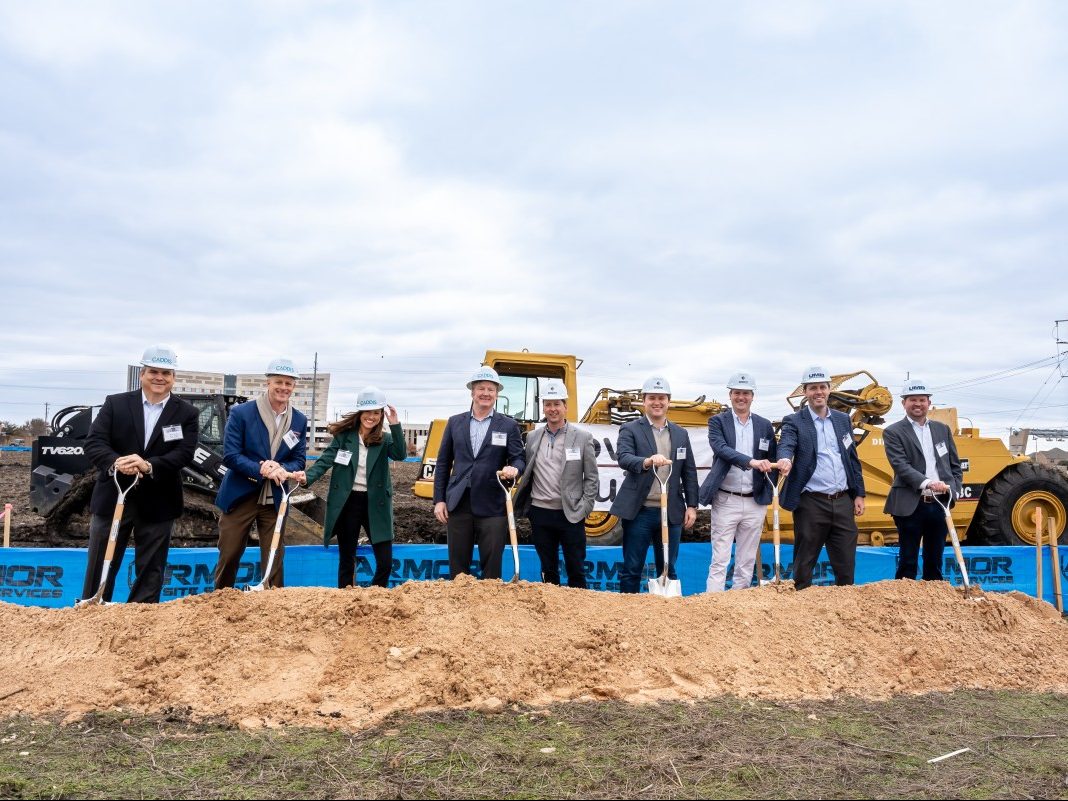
[828, 495]
[739, 494]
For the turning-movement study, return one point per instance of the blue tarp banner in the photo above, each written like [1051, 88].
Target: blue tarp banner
[54, 576]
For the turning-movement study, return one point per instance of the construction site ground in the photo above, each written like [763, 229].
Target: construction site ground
[470, 689]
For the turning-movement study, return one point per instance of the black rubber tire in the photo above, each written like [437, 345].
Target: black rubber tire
[611, 537]
[993, 519]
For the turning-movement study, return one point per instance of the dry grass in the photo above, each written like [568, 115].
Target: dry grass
[728, 747]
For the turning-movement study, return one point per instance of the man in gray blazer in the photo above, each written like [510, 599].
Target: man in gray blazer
[925, 463]
[648, 444]
[558, 489]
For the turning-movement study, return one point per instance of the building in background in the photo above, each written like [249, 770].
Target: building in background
[198, 382]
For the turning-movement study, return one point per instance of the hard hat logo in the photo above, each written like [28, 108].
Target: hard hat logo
[485, 374]
[283, 367]
[370, 399]
[657, 384]
[742, 381]
[554, 390]
[915, 387]
[159, 356]
[815, 375]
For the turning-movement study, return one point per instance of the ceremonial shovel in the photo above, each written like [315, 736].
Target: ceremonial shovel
[278, 523]
[120, 505]
[511, 524]
[956, 542]
[668, 588]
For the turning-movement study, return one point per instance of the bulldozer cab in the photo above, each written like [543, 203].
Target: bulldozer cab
[522, 374]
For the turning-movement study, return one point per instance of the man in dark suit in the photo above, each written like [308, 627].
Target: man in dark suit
[467, 498]
[264, 443]
[651, 443]
[824, 487]
[736, 488]
[153, 434]
[925, 463]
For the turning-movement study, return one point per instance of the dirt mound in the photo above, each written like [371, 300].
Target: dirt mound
[314, 656]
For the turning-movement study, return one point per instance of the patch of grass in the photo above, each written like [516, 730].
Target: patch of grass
[712, 749]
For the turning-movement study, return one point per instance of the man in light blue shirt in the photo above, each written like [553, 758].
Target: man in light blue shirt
[824, 485]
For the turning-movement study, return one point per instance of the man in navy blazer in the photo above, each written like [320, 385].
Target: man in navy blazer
[651, 443]
[151, 433]
[925, 464]
[263, 443]
[824, 485]
[736, 487]
[467, 498]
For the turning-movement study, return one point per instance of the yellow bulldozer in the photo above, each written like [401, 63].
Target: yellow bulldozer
[1001, 493]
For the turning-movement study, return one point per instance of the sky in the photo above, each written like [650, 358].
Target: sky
[683, 188]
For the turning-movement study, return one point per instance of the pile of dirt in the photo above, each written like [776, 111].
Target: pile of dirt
[313, 656]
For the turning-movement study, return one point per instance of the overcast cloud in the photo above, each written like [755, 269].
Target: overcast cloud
[685, 188]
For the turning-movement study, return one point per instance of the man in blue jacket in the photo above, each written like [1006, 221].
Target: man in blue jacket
[467, 498]
[736, 487]
[264, 442]
[824, 487]
[651, 443]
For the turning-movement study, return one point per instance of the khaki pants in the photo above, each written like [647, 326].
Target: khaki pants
[234, 529]
[736, 521]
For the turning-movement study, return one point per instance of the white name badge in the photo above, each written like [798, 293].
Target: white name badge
[764, 444]
[680, 453]
[847, 440]
[941, 449]
[499, 438]
[291, 438]
[572, 454]
[171, 433]
[343, 457]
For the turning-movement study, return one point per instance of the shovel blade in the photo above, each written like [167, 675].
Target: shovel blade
[255, 587]
[668, 588]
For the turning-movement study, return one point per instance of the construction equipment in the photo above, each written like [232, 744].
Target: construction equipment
[62, 477]
[511, 521]
[275, 539]
[662, 585]
[1000, 496]
[113, 536]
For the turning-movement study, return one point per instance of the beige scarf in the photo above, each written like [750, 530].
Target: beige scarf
[277, 433]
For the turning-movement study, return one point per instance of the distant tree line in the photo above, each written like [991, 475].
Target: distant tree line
[31, 428]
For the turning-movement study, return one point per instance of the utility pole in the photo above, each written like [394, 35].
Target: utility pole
[315, 375]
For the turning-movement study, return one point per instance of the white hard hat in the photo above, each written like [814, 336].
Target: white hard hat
[370, 399]
[815, 375]
[554, 390]
[915, 386]
[485, 374]
[656, 384]
[159, 356]
[742, 381]
[282, 367]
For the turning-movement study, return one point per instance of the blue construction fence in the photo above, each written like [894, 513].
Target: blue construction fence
[53, 576]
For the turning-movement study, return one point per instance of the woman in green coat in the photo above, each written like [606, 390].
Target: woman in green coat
[361, 492]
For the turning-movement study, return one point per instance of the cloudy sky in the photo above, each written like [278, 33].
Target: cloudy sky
[678, 187]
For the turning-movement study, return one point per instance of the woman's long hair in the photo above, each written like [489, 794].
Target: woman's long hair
[351, 421]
